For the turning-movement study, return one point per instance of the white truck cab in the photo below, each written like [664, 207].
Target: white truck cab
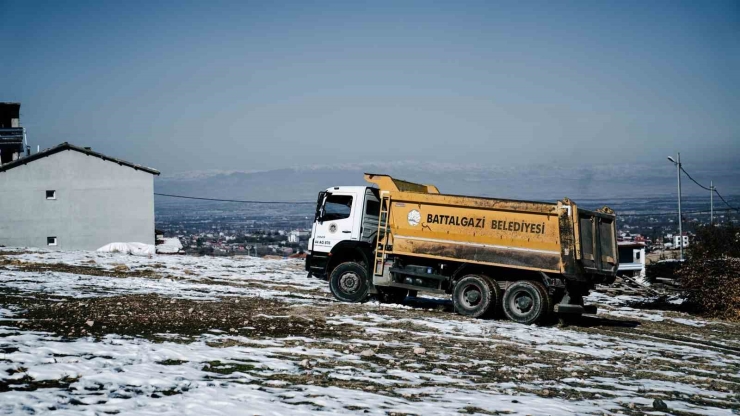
[346, 220]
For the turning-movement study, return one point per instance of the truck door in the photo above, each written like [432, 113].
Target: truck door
[336, 221]
[369, 229]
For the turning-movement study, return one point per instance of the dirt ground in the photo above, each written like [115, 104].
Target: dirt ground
[626, 351]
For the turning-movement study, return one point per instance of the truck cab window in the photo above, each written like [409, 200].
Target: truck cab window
[337, 207]
[372, 207]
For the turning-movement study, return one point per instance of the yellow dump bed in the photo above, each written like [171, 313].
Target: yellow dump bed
[558, 237]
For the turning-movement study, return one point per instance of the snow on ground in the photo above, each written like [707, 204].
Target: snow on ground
[85, 332]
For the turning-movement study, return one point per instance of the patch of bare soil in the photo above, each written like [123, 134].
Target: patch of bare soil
[117, 271]
[13, 252]
[149, 315]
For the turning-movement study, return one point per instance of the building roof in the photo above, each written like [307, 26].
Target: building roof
[630, 244]
[66, 146]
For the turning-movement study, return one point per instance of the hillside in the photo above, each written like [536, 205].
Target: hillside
[108, 333]
[602, 181]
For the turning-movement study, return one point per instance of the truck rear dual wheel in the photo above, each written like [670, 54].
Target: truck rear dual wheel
[476, 296]
[348, 282]
[527, 302]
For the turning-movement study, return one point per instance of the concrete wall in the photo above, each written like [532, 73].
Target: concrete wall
[97, 202]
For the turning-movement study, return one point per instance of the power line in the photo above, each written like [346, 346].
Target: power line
[693, 180]
[242, 201]
[234, 200]
[711, 189]
[723, 200]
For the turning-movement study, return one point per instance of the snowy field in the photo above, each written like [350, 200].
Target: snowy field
[102, 333]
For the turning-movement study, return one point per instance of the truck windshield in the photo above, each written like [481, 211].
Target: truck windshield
[337, 207]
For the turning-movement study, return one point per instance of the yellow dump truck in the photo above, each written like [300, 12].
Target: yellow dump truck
[527, 260]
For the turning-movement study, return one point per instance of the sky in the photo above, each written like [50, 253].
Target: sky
[192, 85]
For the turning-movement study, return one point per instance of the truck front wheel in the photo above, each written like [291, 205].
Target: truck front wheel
[348, 282]
[526, 302]
[476, 296]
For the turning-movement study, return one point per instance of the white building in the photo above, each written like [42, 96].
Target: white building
[72, 198]
[677, 240]
[631, 259]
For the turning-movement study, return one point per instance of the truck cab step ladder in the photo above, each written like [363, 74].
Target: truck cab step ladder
[382, 245]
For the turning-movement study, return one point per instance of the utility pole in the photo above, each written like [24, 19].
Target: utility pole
[680, 218]
[711, 202]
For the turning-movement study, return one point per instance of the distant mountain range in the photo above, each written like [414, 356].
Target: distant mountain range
[613, 181]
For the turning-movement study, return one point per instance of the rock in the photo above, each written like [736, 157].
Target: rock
[236, 301]
[90, 323]
[574, 374]
[367, 353]
[305, 364]
[632, 405]
[545, 392]
[345, 352]
[232, 329]
[420, 351]
[659, 405]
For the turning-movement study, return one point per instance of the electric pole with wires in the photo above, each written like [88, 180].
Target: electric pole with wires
[680, 219]
[711, 202]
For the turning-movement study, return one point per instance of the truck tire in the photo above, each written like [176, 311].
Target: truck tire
[476, 296]
[348, 282]
[391, 294]
[548, 316]
[526, 302]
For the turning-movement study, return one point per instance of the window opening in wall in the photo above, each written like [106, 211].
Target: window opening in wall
[51, 241]
[51, 194]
